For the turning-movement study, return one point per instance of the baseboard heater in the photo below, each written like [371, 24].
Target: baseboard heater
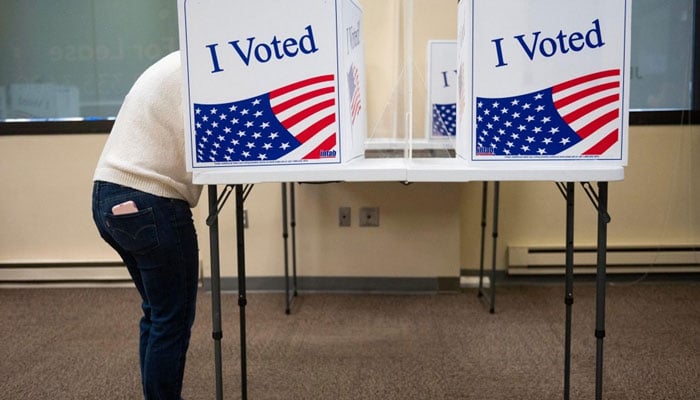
[60, 272]
[620, 259]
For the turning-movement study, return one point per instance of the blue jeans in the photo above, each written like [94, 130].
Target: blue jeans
[158, 244]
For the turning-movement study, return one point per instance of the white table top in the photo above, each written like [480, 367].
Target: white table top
[411, 170]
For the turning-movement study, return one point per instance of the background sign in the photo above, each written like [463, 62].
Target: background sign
[442, 88]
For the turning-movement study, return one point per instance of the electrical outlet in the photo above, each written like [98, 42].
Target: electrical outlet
[245, 219]
[344, 216]
[369, 216]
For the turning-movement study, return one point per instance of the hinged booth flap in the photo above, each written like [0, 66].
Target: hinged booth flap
[272, 82]
[544, 80]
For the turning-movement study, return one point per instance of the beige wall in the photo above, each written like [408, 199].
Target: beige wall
[656, 203]
[46, 217]
[427, 230]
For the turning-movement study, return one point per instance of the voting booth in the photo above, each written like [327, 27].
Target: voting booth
[272, 82]
[530, 91]
[543, 81]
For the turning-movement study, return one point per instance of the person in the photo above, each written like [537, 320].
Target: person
[142, 199]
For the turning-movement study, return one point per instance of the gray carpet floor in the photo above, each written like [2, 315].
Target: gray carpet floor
[82, 344]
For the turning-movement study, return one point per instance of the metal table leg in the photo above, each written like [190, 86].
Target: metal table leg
[603, 220]
[568, 192]
[217, 334]
[285, 237]
[492, 293]
[293, 223]
[240, 241]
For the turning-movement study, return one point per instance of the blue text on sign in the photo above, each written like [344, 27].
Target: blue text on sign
[253, 50]
[562, 43]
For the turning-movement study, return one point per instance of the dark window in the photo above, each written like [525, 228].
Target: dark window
[67, 64]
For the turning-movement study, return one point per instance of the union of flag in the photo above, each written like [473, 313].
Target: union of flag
[290, 123]
[578, 117]
[354, 90]
[445, 119]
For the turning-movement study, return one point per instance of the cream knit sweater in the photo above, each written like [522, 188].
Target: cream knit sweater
[146, 148]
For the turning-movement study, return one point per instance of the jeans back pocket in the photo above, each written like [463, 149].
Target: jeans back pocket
[136, 232]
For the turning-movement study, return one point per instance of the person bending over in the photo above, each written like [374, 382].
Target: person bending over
[141, 201]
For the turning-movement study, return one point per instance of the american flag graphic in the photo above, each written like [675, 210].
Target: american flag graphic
[354, 90]
[575, 118]
[291, 123]
[445, 119]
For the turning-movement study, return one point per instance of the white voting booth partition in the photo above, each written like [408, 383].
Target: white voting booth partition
[272, 83]
[543, 81]
[274, 91]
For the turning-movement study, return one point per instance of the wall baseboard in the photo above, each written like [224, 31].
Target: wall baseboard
[343, 284]
[59, 273]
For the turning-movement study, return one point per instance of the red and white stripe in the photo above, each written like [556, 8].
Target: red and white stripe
[307, 109]
[591, 106]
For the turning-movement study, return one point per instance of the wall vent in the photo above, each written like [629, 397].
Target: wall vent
[620, 259]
